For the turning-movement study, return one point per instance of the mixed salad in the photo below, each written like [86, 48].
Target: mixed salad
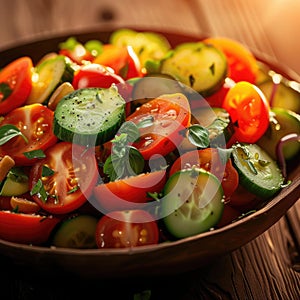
[134, 142]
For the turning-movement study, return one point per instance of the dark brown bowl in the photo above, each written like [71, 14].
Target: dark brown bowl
[165, 258]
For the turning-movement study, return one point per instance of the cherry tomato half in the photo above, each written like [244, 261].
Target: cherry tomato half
[249, 111]
[209, 160]
[95, 75]
[126, 193]
[15, 84]
[242, 65]
[123, 60]
[26, 228]
[170, 115]
[126, 229]
[35, 122]
[74, 174]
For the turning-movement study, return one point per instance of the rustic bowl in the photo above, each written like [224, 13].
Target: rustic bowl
[162, 259]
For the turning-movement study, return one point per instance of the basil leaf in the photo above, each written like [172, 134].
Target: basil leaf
[46, 171]
[39, 153]
[135, 161]
[5, 90]
[131, 130]
[198, 136]
[39, 190]
[8, 132]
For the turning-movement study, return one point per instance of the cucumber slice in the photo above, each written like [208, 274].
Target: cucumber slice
[286, 94]
[77, 232]
[199, 66]
[153, 86]
[147, 45]
[89, 116]
[47, 76]
[192, 202]
[258, 172]
[15, 184]
[282, 122]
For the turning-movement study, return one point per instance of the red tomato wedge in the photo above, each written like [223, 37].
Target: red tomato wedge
[35, 123]
[209, 160]
[249, 111]
[26, 228]
[242, 65]
[126, 229]
[123, 60]
[170, 114]
[128, 193]
[15, 84]
[74, 174]
[94, 75]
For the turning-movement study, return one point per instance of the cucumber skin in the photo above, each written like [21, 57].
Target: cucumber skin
[261, 190]
[106, 127]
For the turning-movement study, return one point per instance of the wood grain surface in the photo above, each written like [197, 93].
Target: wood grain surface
[266, 268]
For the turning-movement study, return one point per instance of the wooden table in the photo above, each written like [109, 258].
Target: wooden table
[266, 268]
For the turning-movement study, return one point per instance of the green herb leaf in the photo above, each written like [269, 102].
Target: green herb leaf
[39, 190]
[5, 90]
[131, 130]
[198, 136]
[73, 190]
[135, 161]
[8, 132]
[39, 153]
[46, 171]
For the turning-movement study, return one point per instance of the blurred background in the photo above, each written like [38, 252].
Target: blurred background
[268, 26]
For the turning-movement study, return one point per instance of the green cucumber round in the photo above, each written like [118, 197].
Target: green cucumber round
[147, 45]
[48, 75]
[199, 66]
[76, 232]
[283, 122]
[258, 172]
[192, 203]
[89, 116]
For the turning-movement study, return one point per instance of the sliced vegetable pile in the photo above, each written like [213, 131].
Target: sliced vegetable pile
[134, 142]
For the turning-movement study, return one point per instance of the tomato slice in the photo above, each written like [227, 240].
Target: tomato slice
[123, 60]
[26, 228]
[209, 160]
[170, 115]
[95, 75]
[126, 229]
[128, 193]
[15, 84]
[35, 122]
[242, 65]
[249, 111]
[74, 174]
